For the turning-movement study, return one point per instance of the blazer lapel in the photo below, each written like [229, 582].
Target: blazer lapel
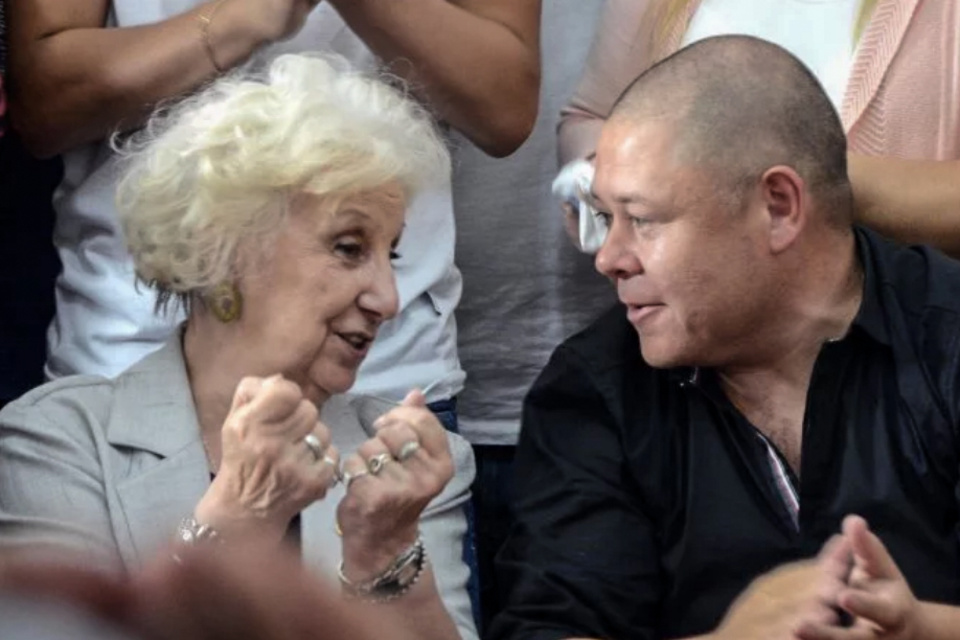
[155, 422]
[878, 45]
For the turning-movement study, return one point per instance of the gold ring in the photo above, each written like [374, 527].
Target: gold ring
[409, 448]
[378, 462]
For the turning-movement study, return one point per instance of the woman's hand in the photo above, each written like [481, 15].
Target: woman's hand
[268, 472]
[389, 481]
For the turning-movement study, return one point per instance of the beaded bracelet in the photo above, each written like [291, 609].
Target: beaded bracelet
[402, 574]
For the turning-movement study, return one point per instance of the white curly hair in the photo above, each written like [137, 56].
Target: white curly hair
[218, 169]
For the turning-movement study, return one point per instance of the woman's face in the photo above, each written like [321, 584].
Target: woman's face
[313, 301]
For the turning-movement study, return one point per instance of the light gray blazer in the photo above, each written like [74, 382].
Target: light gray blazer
[108, 467]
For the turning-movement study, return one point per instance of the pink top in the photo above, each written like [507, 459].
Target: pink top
[902, 98]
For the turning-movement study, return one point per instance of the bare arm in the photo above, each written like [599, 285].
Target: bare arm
[77, 81]
[910, 200]
[477, 62]
[614, 62]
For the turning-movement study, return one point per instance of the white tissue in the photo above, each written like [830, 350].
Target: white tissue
[573, 180]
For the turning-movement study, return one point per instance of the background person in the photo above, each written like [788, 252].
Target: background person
[889, 67]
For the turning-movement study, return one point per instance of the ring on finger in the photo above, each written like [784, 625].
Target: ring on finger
[316, 447]
[376, 464]
[337, 473]
[350, 476]
[408, 448]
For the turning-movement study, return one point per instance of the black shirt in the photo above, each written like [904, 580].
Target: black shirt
[645, 502]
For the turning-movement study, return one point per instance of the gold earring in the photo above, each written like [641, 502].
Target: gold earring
[225, 302]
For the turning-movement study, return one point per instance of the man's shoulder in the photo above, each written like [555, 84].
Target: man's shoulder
[920, 276]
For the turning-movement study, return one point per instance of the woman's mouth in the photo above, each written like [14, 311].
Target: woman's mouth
[358, 342]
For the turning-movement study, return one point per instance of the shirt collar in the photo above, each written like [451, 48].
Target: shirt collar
[870, 318]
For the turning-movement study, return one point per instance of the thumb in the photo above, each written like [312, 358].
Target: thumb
[248, 389]
[871, 554]
[414, 399]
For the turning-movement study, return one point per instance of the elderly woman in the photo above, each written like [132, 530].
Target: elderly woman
[271, 207]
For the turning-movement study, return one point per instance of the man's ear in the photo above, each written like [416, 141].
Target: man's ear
[782, 194]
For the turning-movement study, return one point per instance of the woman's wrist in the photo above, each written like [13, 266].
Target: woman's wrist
[365, 559]
[396, 580]
[232, 522]
[232, 32]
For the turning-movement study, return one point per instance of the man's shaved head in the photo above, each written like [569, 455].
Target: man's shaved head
[740, 105]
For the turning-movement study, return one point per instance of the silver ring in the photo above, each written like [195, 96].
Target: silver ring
[378, 462]
[316, 447]
[348, 477]
[409, 448]
[337, 474]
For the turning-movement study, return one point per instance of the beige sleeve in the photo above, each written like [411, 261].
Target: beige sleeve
[615, 60]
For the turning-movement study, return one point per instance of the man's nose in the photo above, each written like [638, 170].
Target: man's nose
[617, 257]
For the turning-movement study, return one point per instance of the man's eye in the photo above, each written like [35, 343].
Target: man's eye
[394, 256]
[605, 218]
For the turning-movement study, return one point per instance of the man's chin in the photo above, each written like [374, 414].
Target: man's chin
[659, 355]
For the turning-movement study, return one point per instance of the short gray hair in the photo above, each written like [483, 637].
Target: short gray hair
[220, 167]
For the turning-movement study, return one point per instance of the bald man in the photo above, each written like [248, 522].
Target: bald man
[792, 369]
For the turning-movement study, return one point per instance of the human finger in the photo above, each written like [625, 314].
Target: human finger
[275, 401]
[354, 469]
[378, 458]
[870, 552]
[415, 398]
[836, 558]
[330, 467]
[876, 607]
[430, 433]
[810, 630]
[313, 445]
[402, 441]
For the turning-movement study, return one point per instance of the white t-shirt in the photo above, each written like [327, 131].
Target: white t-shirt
[104, 323]
[526, 288]
[818, 32]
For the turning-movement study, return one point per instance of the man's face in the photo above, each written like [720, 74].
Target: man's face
[691, 267]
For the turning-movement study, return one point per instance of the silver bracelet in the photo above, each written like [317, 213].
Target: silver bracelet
[191, 533]
[402, 574]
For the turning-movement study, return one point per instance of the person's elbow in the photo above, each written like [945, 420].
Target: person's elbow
[36, 133]
[54, 115]
[510, 118]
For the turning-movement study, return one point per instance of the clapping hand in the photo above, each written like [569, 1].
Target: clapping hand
[777, 604]
[878, 596]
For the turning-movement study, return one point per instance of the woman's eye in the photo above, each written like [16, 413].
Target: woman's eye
[394, 256]
[350, 250]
